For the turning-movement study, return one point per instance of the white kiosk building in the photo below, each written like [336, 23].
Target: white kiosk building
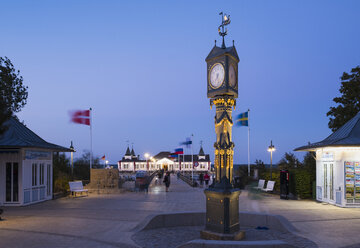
[26, 166]
[163, 161]
[338, 165]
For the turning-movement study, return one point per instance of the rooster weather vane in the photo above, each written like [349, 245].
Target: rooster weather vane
[225, 20]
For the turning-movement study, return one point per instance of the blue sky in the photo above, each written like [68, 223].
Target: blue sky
[141, 66]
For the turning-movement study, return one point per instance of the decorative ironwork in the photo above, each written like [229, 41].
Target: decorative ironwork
[225, 20]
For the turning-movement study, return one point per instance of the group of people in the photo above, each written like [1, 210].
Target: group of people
[166, 180]
[203, 178]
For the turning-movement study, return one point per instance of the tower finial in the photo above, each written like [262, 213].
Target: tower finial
[225, 20]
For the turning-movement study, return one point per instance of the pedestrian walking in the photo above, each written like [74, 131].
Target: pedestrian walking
[207, 179]
[201, 179]
[167, 181]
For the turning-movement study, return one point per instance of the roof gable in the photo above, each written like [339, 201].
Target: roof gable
[18, 135]
[127, 153]
[218, 51]
[164, 161]
[347, 135]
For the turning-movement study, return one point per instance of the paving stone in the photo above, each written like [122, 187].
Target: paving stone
[108, 220]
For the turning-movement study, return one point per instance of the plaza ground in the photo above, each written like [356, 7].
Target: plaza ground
[108, 220]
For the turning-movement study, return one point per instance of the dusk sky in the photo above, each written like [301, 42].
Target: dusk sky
[141, 66]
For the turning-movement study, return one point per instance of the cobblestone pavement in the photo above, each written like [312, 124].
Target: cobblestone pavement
[108, 220]
[173, 237]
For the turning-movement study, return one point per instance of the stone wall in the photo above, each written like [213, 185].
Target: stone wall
[104, 178]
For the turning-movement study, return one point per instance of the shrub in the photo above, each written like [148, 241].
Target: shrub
[61, 183]
[275, 177]
[303, 183]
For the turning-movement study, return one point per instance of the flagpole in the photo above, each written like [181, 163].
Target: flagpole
[192, 161]
[90, 139]
[248, 144]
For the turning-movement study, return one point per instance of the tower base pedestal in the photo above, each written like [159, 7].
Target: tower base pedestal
[222, 212]
[221, 236]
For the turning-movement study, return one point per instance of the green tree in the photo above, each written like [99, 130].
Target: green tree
[61, 164]
[82, 166]
[348, 103]
[13, 94]
[61, 172]
[259, 163]
[289, 161]
[309, 162]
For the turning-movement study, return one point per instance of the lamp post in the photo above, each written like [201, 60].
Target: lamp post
[72, 159]
[271, 149]
[147, 155]
[106, 163]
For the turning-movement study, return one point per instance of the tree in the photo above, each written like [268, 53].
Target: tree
[348, 103]
[61, 173]
[259, 162]
[289, 161]
[82, 166]
[309, 161]
[13, 94]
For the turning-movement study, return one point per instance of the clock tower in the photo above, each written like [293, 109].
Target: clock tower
[222, 72]
[222, 199]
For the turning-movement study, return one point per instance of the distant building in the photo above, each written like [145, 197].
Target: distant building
[131, 163]
[338, 165]
[26, 166]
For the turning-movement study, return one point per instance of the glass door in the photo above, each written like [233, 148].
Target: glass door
[12, 182]
[328, 170]
[331, 182]
[325, 175]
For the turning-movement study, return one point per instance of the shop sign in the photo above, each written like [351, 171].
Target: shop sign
[37, 155]
[327, 156]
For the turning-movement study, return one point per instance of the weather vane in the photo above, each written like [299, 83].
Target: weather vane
[225, 20]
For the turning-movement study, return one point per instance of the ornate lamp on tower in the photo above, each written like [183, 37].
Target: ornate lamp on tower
[222, 199]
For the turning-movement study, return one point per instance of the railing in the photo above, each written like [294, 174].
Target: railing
[188, 180]
[151, 177]
[144, 185]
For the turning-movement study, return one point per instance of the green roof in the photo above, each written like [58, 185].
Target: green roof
[18, 135]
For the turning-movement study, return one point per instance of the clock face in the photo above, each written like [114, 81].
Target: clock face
[217, 75]
[232, 76]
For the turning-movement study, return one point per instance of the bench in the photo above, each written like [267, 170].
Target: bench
[269, 186]
[76, 187]
[260, 184]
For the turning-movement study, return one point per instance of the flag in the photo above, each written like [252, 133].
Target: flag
[80, 117]
[179, 151]
[243, 119]
[103, 157]
[173, 155]
[187, 143]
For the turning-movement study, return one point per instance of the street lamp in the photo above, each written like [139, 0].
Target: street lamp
[72, 159]
[271, 149]
[106, 162]
[147, 155]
